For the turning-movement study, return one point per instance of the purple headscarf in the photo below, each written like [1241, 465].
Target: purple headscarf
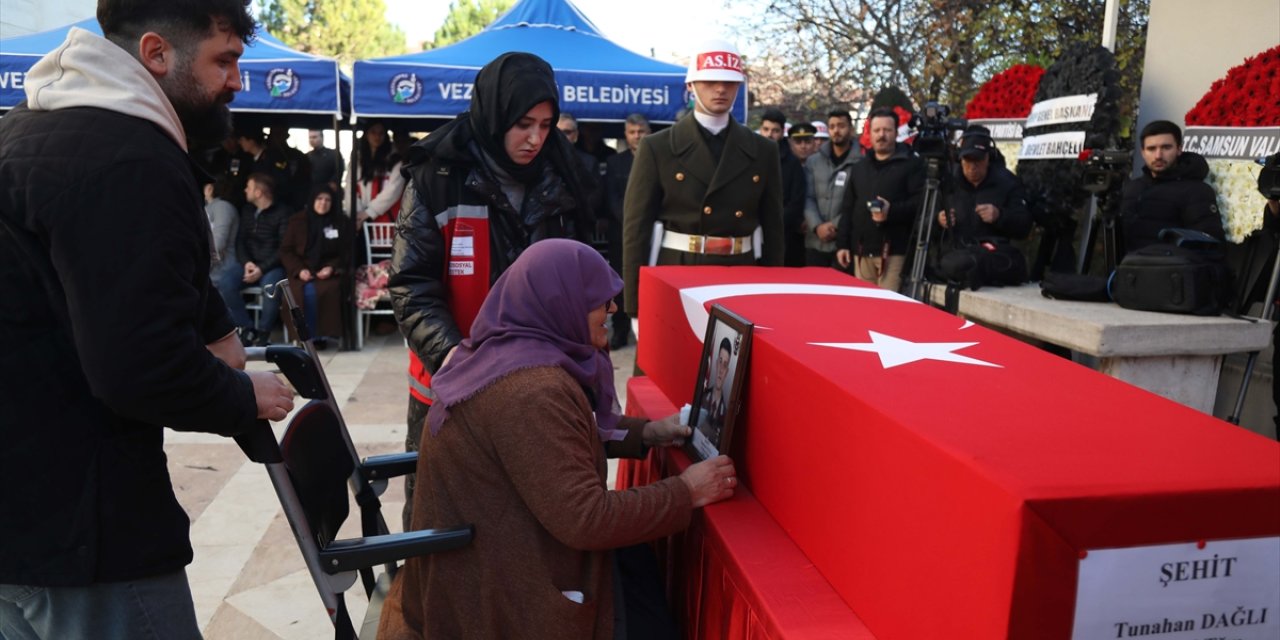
[536, 316]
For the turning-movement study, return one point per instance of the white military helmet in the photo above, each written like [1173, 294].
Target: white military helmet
[821, 126]
[715, 60]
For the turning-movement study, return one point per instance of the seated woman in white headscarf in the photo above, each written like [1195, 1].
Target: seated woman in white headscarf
[514, 446]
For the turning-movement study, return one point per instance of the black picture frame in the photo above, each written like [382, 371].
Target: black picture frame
[713, 419]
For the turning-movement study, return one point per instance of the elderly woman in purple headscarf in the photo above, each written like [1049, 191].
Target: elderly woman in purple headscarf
[515, 446]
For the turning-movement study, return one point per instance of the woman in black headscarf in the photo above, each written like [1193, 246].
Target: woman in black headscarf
[481, 189]
[314, 251]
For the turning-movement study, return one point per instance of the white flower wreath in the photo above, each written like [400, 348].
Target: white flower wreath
[1239, 203]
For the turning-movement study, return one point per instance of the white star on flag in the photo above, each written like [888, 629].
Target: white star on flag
[896, 351]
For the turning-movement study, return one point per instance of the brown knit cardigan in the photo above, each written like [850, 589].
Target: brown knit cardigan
[522, 461]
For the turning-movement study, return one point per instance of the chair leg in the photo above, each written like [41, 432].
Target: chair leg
[360, 330]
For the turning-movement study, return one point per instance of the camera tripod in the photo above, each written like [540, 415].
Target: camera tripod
[1100, 219]
[1268, 312]
[917, 288]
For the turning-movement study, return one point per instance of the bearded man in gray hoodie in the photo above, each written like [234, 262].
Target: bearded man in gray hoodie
[110, 329]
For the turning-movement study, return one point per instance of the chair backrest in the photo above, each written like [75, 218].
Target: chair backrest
[320, 465]
[311, 468]
[378, 240]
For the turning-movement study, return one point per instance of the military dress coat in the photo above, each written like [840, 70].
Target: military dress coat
[675, 180]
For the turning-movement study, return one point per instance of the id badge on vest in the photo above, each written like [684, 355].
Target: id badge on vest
[841, 178]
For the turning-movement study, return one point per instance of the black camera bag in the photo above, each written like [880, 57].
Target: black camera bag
[989, 261]
[1184, 274]
[1060, 285]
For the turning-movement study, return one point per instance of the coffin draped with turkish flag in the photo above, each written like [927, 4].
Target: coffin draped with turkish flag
[945, 479]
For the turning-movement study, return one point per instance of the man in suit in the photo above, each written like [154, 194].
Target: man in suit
[617, 171]
[713, 184]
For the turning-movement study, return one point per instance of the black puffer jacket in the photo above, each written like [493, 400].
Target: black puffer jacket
[260, 235]
[898, 179]
[451, 178]
[1178, 198]
[105, 308]
[1000, 188]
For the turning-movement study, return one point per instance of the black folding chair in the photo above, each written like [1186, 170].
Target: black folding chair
[369, 475]
[310, 469]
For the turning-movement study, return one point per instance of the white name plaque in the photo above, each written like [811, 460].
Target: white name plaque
[1223, 589]
[1064, 145]
[1062, 110]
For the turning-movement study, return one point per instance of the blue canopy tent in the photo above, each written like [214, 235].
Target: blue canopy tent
[304, 89]
[599, 81]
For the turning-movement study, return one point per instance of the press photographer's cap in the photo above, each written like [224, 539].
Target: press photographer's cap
[820, 128]
[976, 141]
[802, 130]
[715, 60]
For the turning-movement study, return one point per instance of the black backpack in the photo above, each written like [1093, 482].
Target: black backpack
[1186, 273]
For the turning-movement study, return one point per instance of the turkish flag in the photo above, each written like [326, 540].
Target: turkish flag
[945, 478]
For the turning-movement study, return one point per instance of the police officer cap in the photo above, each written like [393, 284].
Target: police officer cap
[802, 130]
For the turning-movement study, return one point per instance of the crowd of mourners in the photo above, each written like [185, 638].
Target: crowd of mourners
[276, 213]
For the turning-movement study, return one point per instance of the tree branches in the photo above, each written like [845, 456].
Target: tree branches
[829, 50]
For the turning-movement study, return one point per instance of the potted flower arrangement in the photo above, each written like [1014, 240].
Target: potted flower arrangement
[1238, 119]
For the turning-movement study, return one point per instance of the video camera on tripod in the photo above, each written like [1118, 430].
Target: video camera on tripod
[1102, 169]
[934, 130]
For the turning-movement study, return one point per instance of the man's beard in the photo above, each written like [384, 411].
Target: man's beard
[205, 119]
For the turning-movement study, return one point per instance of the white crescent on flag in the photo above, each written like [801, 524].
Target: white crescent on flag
[891, 350]
[694, 299]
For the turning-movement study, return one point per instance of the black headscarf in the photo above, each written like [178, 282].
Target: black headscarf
[506, 89]
[319, 248]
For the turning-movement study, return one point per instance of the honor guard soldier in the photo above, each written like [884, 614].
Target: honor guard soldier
[706, 191]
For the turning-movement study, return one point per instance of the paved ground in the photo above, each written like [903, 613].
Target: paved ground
[248, 579]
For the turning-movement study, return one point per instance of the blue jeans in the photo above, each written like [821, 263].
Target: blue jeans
[158, 607]
[310, 308]
[229, 286]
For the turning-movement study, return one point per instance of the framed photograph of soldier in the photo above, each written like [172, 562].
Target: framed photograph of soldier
[717, 396]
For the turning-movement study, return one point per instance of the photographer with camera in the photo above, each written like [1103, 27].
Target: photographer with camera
[1170, 193]
[879, 205]
[984, 209]
[986, 200]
